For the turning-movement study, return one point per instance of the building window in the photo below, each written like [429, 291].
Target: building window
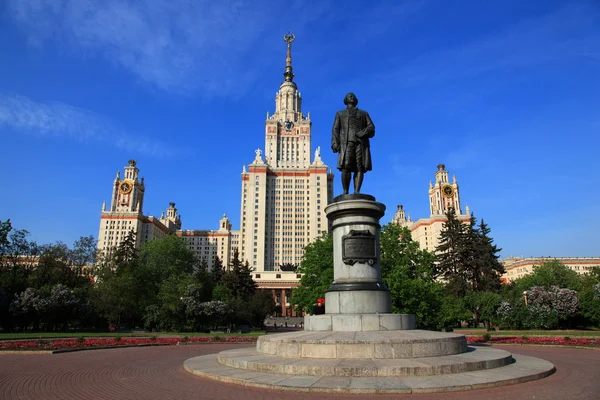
[278, 276]
[257, 276]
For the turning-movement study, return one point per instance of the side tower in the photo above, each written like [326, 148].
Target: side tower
[125, 211]
[443, 195]
[125, 214]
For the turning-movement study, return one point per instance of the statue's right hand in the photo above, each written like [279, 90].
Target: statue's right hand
[335, 148]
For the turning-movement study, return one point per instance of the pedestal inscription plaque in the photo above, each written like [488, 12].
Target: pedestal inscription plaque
[359, 247]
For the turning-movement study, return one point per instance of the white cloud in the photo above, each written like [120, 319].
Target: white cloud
[61, 120]
[179, 46]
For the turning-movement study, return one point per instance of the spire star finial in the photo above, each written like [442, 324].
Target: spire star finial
[288, 74]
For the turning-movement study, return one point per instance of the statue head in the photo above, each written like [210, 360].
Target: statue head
[351, 99]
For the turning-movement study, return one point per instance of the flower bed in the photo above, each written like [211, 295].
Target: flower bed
[556, 341]
[81, 343]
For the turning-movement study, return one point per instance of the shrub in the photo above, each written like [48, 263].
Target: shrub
[217, 338]
[567, 339]
[487, 337]
[118, 338]
[80, 339]
[525, 337]
[153, 337]
[185, 339]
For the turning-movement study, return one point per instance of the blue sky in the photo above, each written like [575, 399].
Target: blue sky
[505, 93]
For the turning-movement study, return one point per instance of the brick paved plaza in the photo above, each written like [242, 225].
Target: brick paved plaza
[157, 373]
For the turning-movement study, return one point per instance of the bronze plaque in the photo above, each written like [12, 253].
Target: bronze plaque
[359, 246]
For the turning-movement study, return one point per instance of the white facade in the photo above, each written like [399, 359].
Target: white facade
[518, 267]
[284, 193]
[443, 195]
[208, 244]
[125, 214]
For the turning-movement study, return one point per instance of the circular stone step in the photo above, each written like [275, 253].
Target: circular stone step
[362, 345]
[524, 369]
[476, 359]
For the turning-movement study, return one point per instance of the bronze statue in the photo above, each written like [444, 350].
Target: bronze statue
[352, 129]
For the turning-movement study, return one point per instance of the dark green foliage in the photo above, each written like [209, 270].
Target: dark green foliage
[483, 306]
[551, 273]
[217, 271]
[238, 279]
[467, 257]
[43, 287]
[409, 274]
[486, 270]
[454, 255]
[589, 297]
[317, 270]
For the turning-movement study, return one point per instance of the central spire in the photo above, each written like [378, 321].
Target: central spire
[288, 74]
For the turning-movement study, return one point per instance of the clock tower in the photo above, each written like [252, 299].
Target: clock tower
[125, 214]
[128, 193]
[443, 195]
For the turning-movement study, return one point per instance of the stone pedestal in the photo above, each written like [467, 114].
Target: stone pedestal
[357, 300]
[358, 346]
[357, 287]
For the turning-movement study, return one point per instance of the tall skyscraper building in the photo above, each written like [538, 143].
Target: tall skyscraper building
[284, 193]
[443, 195]
[283, 198]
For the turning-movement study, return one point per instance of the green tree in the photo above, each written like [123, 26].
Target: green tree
[83, 255]
[550, 273]
[408, 272]
[5, 228]
[238, 278]
[454, 254]
[484, 307]
[166, 268]
[217, 271]
[118, 294]
[589, 297]
[488, 269]
[317, 273]
[261, 305]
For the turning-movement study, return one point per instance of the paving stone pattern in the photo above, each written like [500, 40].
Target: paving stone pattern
[153, 373]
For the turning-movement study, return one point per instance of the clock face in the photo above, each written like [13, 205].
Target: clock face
[125, 187]
[288, 125]
[448, 190]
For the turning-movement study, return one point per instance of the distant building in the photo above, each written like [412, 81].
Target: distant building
[284, 194]
[517, 267]
[125, 214]
[443, 196]
[210, 243]
[282, 207]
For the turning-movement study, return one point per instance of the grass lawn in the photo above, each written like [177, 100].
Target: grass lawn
[53, 335]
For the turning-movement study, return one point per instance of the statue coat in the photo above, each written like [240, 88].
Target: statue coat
[339, 138]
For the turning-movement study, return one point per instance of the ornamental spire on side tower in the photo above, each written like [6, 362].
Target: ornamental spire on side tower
[288, 74]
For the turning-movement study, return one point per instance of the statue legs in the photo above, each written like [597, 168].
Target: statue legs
[358, 180]
[346, 180]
